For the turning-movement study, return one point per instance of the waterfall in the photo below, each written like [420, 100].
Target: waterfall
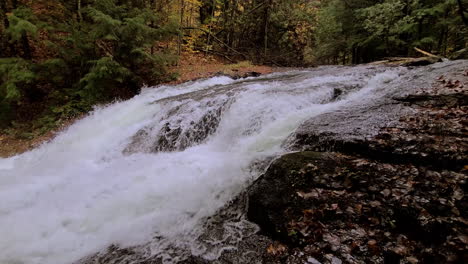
[158, 164]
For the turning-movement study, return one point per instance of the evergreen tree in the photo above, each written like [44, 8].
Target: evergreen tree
[98, 51]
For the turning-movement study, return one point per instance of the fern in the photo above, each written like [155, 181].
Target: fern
[79, 62]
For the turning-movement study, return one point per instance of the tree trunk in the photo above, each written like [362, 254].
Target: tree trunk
[4, 10]
[78, 10]
[26, 47]
[232, 24]
[179, 42]
[441, 40]
[212, 10]
[152, 7]
[461, 11]
[6, 24]
[444, 53]
[4, 21]
[265, 33]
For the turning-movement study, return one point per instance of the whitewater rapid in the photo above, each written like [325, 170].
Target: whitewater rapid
[158, 164]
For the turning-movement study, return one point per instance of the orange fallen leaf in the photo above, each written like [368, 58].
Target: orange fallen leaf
[276, 249]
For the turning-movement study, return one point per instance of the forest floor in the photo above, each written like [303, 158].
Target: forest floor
[191, 67]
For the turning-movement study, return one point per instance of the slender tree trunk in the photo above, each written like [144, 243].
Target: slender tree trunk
[6, 24]
[4, 10]
[153, 8]
[446, 42]
[208, 38]
[179, 42]
[265, 34]
[442, 45]
[353, 55]
[461, 11]
[182, 12]
[78, 10]
[190, 18]
[232, 24]
[27, 54]
[441, 40]
[387, 42]
[225, 14]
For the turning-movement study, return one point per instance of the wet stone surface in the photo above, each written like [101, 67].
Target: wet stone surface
[360, 211]
[389, 194]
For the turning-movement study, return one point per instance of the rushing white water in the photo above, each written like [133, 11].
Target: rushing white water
[161, 162]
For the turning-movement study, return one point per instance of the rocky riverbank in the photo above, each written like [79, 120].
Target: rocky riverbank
[369, 194]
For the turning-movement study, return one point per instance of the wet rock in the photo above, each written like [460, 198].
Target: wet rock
[427, 128]
[336, 260]
[374, 186]
[336, 93]
[312, 260]
[176, 136]
[239, 75]
[270, 196]
[252, 74]
[437, 100]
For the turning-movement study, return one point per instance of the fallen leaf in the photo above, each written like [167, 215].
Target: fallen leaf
[412, 260]
[276, 249]
[312, 194]
[386, 192]
[463, 238]
[400, 250]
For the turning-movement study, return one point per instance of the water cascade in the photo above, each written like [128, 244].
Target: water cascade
[158, 164]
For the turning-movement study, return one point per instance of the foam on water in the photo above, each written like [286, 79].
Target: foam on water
[82, 192]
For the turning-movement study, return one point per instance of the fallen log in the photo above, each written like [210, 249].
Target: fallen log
[423, 61]
[426, 53]
[404, 61]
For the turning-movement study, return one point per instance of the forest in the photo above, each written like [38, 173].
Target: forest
[60, 58]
